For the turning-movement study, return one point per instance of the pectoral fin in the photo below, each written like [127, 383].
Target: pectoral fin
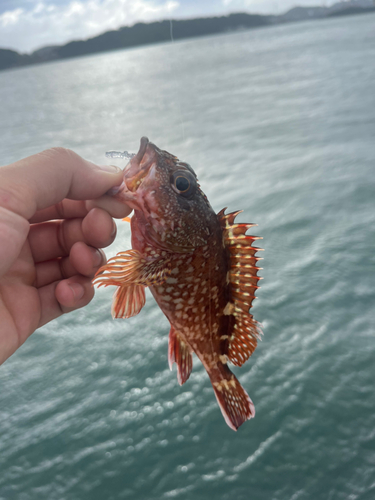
[131, 273]
[131, 268]
[128, 301]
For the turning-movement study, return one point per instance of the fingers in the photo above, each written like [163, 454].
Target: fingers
[74, 293]
[63, 297]
[40, 181]
[50, 240]
[118, 209]
[45, 179]
[98, 228]
[65, 285]
[83, 260]
[86, 260]
[66, 209]
[70, 209]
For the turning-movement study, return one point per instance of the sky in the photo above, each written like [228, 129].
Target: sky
[26, 25]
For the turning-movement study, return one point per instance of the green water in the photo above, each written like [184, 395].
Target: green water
[279, 122]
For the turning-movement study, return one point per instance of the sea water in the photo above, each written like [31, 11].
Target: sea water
[278, 122]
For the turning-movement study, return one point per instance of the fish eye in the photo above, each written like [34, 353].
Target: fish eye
[183, 183]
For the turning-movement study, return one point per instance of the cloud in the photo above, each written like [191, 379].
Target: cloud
[10, 18]
[46, 24]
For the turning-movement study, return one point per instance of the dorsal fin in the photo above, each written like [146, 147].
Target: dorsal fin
[243, 280]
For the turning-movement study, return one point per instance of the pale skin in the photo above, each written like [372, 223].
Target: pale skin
[54, 220]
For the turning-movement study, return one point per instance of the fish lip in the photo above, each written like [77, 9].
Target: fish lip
[142, 149]
[137, 169]
[133, 175]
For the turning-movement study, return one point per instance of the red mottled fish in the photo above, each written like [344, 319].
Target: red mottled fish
[200, 267]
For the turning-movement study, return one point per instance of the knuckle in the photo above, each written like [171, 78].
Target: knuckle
[60, 156]
[12, 195]
[61, 236]
[60, 210]
[57, 152]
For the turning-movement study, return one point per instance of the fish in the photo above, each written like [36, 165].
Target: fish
[201, 268]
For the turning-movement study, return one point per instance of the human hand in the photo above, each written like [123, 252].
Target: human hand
[54, 220]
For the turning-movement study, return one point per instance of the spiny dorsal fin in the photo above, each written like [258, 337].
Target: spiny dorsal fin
[243, 280]
[130, 267]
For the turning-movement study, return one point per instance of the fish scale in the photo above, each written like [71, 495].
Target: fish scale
[200, 267]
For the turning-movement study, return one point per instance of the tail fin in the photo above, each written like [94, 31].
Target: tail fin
[234, 402]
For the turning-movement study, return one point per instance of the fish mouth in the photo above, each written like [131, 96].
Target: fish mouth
[134, 182]
[135, 172]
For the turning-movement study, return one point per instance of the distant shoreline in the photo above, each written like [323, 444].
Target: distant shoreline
[156, 32]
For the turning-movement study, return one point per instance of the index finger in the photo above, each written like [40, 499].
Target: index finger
[46, 178]
[71, 209]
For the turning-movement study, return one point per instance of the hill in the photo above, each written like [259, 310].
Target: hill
[133, 36]
[157, 32]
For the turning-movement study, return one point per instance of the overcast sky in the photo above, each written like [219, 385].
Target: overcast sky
[26, 25]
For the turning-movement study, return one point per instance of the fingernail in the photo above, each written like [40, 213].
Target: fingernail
[112, 169]
[115, 190]
[77, 289]
[114, 229]
[97, 258]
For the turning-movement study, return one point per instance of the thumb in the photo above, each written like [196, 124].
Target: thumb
[40, 181]
[44, 179]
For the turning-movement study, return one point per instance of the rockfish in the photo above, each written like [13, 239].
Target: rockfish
[200, 267]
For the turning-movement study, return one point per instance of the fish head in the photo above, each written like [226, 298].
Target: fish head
[171, 210]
